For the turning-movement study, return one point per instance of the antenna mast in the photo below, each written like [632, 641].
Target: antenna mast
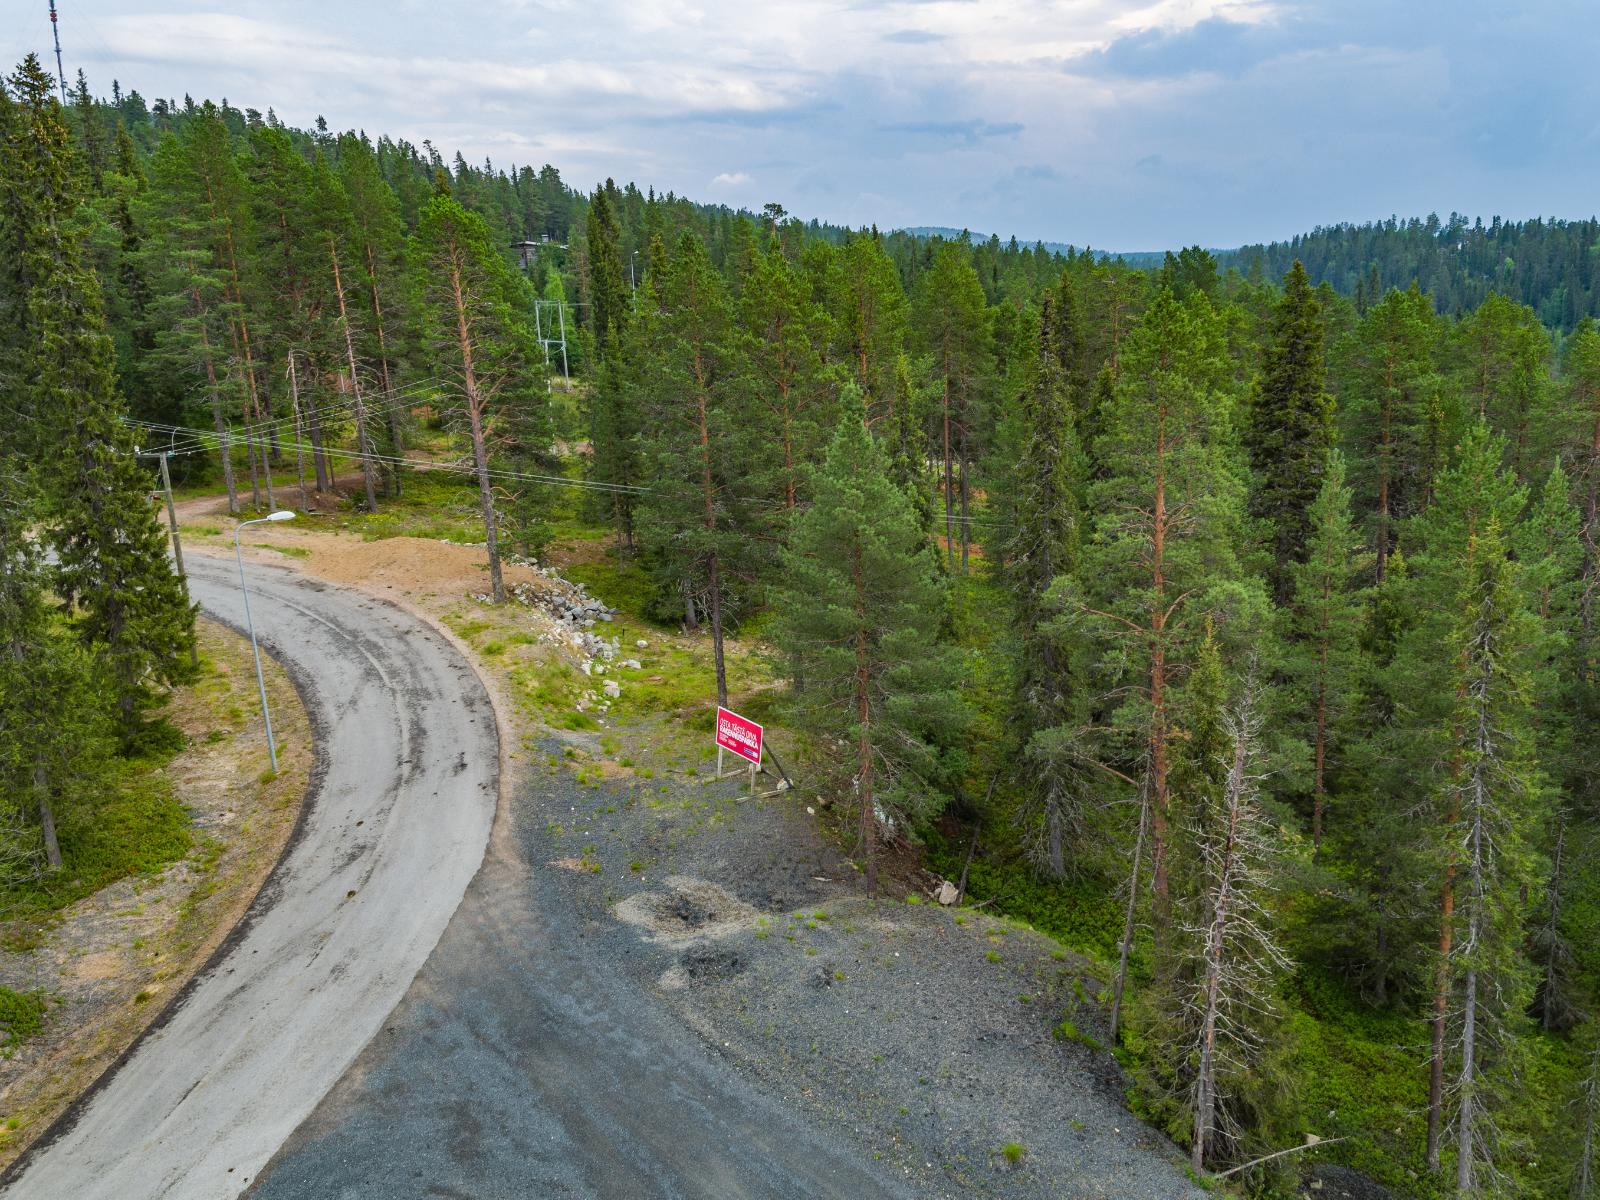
[55, 32]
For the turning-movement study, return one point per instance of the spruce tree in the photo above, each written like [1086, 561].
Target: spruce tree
[1445, 686]
[1582, 363]
[1290, 429]
[608, 290]
[1043, 506]
[1325, 627]
[859, 622]
[1492, 801]
[112, 568]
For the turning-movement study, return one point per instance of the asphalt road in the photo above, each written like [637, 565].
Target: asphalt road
[395, 829]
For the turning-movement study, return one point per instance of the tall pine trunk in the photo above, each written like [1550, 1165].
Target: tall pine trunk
[215, 395]
[949, 520]
[41, 790]
[863, 706]
[1158, 668]
[1385, 468]
[480, 451]
[708, 496]
[363, 443]
[392, 404]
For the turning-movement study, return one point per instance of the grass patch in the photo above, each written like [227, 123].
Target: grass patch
[1068, 1032]
[132, 826]
[21, 1016]
[291, 551]
[626, 589]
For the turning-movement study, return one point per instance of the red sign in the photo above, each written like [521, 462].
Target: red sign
[736, 733]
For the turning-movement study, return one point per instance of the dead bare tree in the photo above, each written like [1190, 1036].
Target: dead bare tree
[1241, 960]
[1584, 1182]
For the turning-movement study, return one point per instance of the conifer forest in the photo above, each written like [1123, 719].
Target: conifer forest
[1233, 619]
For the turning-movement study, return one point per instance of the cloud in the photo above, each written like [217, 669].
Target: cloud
[968, 131]
[1215, 45]
[1122, 123]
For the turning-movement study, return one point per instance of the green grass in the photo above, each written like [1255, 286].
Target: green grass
[291, 551]
[133, 825]
[442, 505]
[626, 589]
[21, 1016]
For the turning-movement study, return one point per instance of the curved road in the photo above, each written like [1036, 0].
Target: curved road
[402, 802]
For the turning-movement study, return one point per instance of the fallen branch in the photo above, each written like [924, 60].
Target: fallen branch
[1311, 1141]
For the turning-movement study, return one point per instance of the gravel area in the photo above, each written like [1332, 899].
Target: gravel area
[667, 988]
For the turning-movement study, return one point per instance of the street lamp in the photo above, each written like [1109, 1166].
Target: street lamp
[261, 682]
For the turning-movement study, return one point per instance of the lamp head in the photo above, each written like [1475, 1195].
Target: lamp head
[283, 514]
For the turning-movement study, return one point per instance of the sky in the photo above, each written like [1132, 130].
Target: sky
[1125, 126]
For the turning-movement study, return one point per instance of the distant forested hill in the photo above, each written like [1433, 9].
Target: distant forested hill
[1551, 265]
[1142, 259]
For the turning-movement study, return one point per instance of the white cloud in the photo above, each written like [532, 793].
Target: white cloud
[836, 103]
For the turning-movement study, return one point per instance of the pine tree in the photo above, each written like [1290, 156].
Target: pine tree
[1326, 622]
[696, 516]
[204, 184]
[869, 311]
[190, 307]
[334, 232]
[792, 387]
[1397, 423]
[859, 621]
[376, 242]
[471, 312]
[1168, 516]
[1290, 429]
[952, 322]
[1502, 351]
[1582, 361]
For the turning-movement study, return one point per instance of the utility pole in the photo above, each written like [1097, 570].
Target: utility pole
[299, 444]
[55, 33]
[177, 546]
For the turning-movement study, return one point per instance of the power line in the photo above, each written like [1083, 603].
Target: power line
[207, 440]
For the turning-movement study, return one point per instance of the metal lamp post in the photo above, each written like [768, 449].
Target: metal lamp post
[261, 682]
